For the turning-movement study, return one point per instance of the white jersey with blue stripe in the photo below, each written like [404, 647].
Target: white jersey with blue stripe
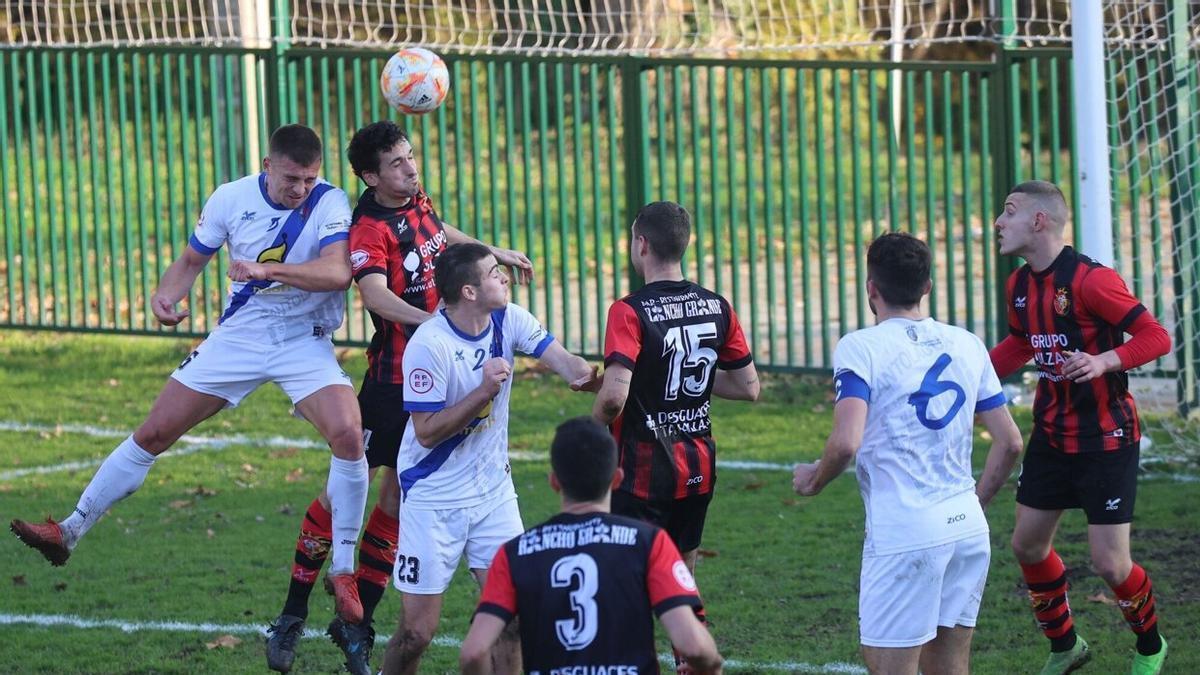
[241, 215]
[923, 382]
[442, 365]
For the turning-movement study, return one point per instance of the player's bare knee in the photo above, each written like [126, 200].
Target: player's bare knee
[1028, 552]
[412, 642]
[153, 438]
[346, 442]
[1112, 570]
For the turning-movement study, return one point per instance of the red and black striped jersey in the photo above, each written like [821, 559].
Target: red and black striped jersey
[586, 588]
[671, 334]
[1075, 304]
[402, 244]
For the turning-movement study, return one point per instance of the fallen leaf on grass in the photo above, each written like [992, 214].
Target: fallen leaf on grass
[707, 553]
[114, 382]
[294, 475]
[985, 435]
[754, 484]
[180, 503]
[19, 580]
[1101, 598]
[210, 533]
[285, 509]
[286, 452]
[201, 491]
[60, 586]
[249, 468]
[790, 502]
[225, 641]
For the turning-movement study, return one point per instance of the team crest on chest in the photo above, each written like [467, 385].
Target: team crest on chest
[1062, 302]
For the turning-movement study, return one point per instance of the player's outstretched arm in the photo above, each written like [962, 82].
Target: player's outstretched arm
[175, 284]
[380, 299]
[691, 639]
[476, 655]
[737, 385]
[581, 375]
[1003, 455]
[614, 390]
[520, 263]
[330, 271]
[849, 422]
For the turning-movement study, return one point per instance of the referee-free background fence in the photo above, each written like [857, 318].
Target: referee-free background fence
[788, 167]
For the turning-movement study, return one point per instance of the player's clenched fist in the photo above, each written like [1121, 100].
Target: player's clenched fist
[164, 311]
[804, 479]
[495, 371]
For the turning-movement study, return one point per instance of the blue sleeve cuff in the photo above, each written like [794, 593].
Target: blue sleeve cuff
[424, 406]
[200, 247]
[847, 384]
[991, 403]
[334, 238]
[541, 346]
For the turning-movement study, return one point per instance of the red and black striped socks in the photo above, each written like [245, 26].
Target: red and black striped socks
[312, 548]
[1135, 597]
[1047, 582]
[376, 556]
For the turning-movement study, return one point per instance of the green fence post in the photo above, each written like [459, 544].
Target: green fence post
[635, 146]
[1005, 137]
[278, 111]
[1183, 214]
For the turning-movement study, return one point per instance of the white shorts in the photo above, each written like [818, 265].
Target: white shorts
[432, 542]
[231, 364]
[904, 597]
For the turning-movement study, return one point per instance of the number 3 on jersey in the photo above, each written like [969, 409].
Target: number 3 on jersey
[682, 346]
[931, 387]
[577, 632]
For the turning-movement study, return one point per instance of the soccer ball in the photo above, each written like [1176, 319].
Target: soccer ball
[415, 81]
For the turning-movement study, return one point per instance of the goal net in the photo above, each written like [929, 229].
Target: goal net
[1153, 94]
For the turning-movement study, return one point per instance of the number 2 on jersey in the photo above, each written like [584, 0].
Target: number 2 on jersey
[681, 345]
[931, 386]
[577, 632]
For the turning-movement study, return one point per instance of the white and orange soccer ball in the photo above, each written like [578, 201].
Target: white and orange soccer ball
[415, 81]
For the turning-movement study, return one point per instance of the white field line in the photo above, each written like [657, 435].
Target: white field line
[190, 443]
[48, 620]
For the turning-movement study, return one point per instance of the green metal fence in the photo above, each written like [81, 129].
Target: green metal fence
[789, 169]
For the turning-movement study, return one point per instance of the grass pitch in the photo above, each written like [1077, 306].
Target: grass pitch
[207, 542]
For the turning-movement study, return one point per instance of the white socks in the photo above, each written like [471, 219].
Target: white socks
[347, 489]
[118, 477]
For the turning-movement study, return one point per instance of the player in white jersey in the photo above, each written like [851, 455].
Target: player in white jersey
[286, 232]
[455, 481]
[907, 392]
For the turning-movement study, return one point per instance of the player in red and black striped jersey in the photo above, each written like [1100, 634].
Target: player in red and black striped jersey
[395, 238]
[669, 347]
[1069, 314]
[586, 584]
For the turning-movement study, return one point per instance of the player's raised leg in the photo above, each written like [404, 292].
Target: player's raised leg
[176, 410]
[333, 410]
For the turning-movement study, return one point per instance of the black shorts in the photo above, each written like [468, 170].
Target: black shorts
[683, 519]
[1103, 484]
[383, 421]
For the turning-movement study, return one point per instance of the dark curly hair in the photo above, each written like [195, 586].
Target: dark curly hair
[371, 140]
